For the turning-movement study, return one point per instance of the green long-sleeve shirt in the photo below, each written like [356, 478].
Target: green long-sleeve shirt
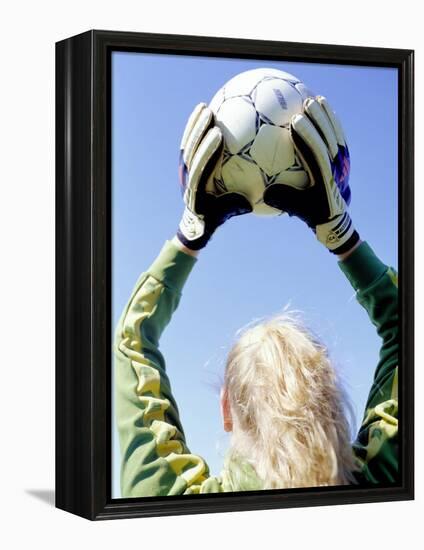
[155, 456]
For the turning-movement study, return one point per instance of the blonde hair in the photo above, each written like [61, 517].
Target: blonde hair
[288, 409]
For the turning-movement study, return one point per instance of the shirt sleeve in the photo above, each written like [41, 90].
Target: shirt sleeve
[155, 457]
[376, 446]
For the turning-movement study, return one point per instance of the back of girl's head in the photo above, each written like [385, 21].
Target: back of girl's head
[287, 407]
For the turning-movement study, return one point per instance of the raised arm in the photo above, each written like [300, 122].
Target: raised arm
[151, 436]
[319, 141]
[155, 457]
[376, 446]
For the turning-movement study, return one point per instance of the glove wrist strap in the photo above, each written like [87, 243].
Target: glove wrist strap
[192, 231]
[338, 234]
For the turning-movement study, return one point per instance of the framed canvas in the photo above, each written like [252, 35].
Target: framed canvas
[208, 364]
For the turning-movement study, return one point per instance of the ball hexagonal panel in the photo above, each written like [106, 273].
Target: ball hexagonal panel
[243, 176]
[236, 117]
[277, 100]
[272, 149]
[244, 83]
[241, 84]
[295, 178]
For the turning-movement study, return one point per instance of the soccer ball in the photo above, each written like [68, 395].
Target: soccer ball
[254, 110]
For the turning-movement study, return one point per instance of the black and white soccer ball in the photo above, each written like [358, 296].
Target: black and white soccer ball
[254, 110]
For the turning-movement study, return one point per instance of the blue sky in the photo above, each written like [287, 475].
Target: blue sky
[253, 267]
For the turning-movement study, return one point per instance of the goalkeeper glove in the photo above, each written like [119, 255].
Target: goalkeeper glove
[320, 144]
[201, 151]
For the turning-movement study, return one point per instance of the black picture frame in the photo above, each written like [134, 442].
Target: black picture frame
[83, 340]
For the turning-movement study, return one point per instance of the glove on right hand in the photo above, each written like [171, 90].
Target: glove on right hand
[319, 141]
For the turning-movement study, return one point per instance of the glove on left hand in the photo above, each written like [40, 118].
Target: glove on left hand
[201, 150]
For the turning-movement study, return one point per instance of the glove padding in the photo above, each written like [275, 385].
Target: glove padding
[201, 151]
[320, 144]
